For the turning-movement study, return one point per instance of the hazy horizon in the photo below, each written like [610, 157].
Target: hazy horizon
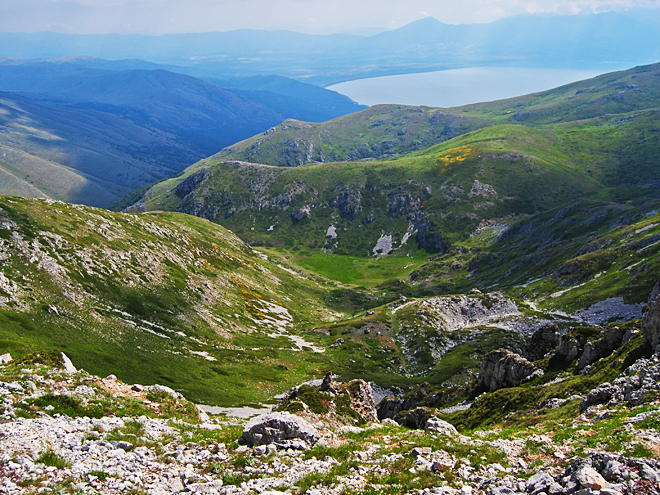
[155, 17]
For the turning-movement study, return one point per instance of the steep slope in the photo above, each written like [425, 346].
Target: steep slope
[162, 298]
[82, 156]
[91, 135]
[382, 131]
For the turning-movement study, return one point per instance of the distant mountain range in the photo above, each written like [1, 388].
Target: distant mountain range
[111, 131]
[597, 41]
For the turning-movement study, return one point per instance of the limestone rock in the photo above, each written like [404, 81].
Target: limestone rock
[280, 428]
[590, 478]
[362, 399]
[651, 323]
[568, 348]
[68, 365]
[601, 395]
[415, 418]
[5, 358]
[299, 214]
[327, 385]
[440, 427]
[593, 351]
[503, 369]
[162, 389]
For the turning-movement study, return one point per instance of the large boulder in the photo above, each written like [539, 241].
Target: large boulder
[503, 369]
[544, 340]
[415, 418]
[282, 429]
[651, 321]
[440, 427]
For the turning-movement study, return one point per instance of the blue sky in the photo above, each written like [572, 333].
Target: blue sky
[314, 16]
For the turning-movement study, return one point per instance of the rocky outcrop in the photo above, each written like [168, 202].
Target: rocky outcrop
[568, 349]
[543, 341]
[362, 399]
[348, 203]
[609, 470]
[593, 351]
[428, 236]
[638, 384]
[504, 369]
[451, 313]
[415, 418]
[191, 183]
[282, 429]
[299, 214]
[651, 320]
[405, 204]
[440, 427]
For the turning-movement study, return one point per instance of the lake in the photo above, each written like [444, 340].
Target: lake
[450, 88]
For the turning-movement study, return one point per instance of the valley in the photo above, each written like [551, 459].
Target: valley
[89, 135]
[459, 301]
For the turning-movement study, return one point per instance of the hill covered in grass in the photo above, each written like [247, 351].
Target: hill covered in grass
[165, 298]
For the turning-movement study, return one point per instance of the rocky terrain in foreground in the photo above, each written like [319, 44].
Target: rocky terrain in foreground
[66, 431]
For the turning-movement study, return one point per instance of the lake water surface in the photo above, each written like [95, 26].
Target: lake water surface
[450, 88]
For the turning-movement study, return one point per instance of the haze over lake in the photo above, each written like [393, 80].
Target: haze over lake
[456, 87]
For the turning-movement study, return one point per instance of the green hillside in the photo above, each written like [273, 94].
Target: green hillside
[431, 199]
[383, 131]
[164, 298]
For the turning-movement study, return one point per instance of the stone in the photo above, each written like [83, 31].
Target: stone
[601, 395]
[568, 348]
[416, 418]
[68, 365]
[362, 399]
[5, 358]
[539, 482]
[502, 369]
[440, 427]
[299, 214]
[211, 487]
[648, 473]
[593, 351]
[651, 322]
[203, 417]
[609, 491]
[590, 478]
[280, 428]
[125, 446]
[442, 461]
[389, 422]
[543, 341]
[327, 384]
[162, 389]
[419, 451]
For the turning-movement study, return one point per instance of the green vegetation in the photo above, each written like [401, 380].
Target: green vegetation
[50, 458]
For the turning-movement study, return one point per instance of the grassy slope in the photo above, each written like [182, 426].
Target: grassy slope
[387, 130]
[137, 296]
[530, 170]
[82, 156]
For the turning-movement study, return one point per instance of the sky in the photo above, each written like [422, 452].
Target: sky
[311, 16]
